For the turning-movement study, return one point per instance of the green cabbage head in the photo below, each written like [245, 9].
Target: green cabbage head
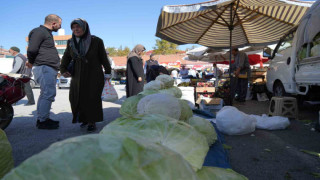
[204, 127]
[6, 159]
[174, 91]
[129, 106]
[176, 135]
[153, 85]
[167, 80]
[148, 92]
[212, 173]
[103, 157]
[160, 104]
[186, 111]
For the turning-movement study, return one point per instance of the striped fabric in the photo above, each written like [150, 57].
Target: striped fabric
[255, 22]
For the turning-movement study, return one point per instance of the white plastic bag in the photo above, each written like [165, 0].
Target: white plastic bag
[109, 94]
[271, 123]
[262, 97]
[231, 121]
[188, 94]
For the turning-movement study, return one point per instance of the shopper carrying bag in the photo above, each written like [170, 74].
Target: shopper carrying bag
[109, 94]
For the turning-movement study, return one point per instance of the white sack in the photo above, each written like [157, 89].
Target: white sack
[188, 95]
[271, 123]
[231, 121]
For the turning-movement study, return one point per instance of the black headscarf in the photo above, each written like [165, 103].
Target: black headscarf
[81, 48]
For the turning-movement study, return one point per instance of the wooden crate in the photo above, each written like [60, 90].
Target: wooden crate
[205, 89]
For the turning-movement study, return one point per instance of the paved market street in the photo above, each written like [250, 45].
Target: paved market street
[267, 155]
[259, 155]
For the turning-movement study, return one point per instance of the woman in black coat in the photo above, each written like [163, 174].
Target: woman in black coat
[135, 73]
[87, 81]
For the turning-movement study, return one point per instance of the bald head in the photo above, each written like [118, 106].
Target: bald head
[51, 18]
[53, 22]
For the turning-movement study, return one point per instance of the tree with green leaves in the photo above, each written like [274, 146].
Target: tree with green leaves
[112, 51]
[165, 47]
[118, 52]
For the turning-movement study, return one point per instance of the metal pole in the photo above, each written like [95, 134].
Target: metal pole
[232, 85]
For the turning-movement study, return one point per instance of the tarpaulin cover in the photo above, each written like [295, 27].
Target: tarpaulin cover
[253, 59]
[217, 156]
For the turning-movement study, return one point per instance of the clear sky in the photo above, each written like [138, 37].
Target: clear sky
[117, 22]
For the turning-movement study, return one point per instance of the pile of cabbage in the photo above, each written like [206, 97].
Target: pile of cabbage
[6, 159]
[156, 138]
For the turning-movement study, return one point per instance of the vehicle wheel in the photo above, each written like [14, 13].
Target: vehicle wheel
[6, 115]
[278, 89]
[32, 83]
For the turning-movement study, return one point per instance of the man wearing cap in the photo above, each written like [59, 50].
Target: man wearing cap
[19, 67]
[147, 66]
[43, 57]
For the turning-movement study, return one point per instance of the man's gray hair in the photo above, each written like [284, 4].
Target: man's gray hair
[52, 18]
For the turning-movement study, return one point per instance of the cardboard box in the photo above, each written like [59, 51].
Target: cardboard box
[208, 101]
[211, 104]
[205, 89]
[212, 101]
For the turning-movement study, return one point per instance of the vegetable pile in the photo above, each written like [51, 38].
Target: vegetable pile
[6, 159]
[157, 138]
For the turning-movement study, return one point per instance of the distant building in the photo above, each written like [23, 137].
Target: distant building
[60, 41]
[4, 53]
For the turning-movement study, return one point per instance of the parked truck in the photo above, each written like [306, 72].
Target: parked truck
[295, 62]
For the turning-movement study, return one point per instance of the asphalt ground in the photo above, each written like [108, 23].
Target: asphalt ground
[267, 155]
[260, 155]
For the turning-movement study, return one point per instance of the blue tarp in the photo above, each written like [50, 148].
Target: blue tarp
[217, 156]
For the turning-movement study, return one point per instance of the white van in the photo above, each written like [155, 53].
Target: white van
[295, 65]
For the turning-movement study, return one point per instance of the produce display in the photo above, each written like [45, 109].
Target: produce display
[205, 94]
[205, 84]
[6, 159]
[103, 157]
[157, 138]
[176, 135]
[184, 84]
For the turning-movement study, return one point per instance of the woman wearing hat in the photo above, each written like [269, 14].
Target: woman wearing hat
[87, 82]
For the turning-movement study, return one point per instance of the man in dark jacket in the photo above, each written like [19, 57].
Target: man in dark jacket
[43, 57]
[147, 66]
[19, 67]
[242, 73]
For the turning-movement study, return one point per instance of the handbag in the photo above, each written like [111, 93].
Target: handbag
[70, 67]
[109, 94]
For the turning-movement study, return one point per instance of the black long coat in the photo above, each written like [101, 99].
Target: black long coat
[87, 82]
[134, 70]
